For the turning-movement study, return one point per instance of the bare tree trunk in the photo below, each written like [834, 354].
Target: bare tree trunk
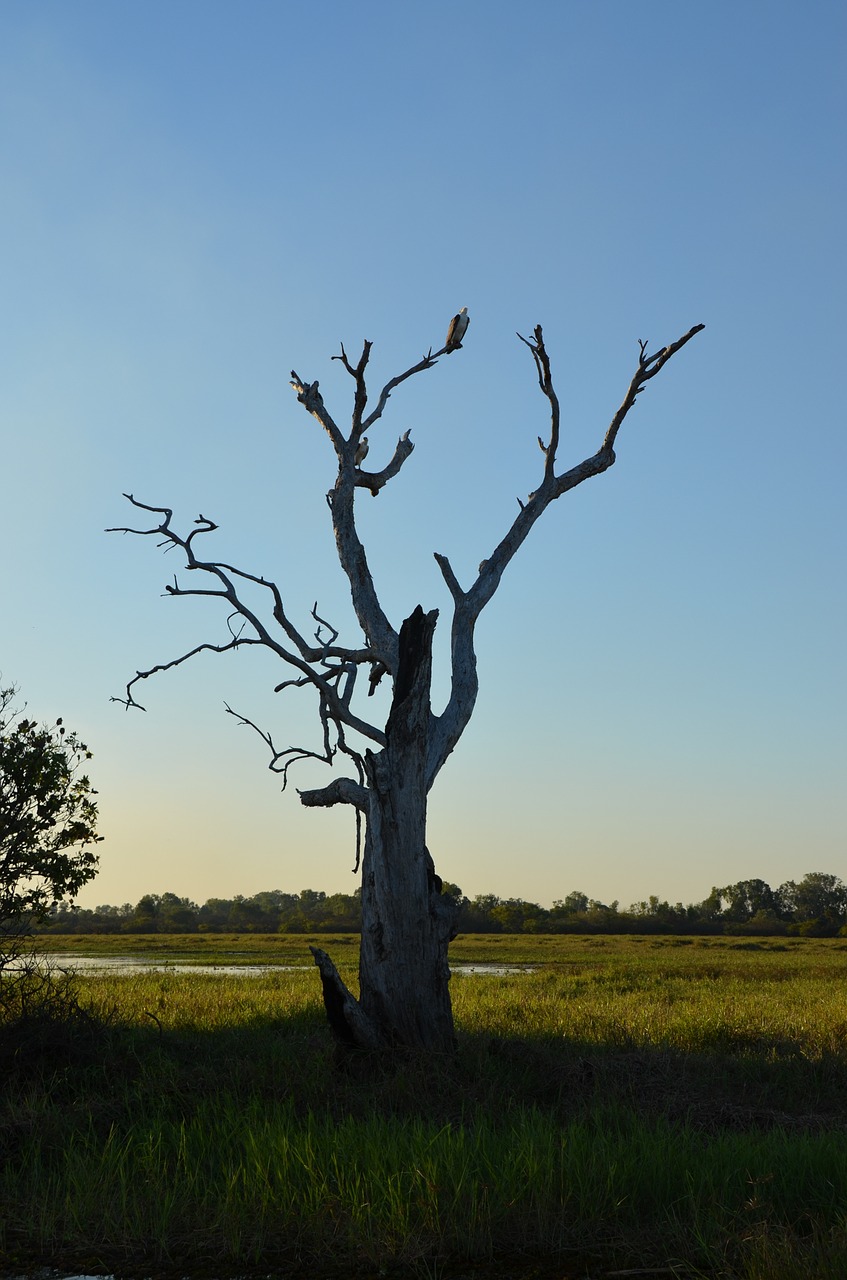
[406, 923]
[404, 994]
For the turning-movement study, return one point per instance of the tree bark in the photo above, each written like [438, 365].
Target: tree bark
[407, 924]
[404, 976]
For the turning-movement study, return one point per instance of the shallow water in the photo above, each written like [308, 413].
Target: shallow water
[143, 964]
[468, 970]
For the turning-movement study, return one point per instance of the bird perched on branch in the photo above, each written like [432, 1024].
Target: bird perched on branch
[362, 451]
[458, 329]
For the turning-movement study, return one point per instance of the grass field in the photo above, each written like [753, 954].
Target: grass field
[628, 1103]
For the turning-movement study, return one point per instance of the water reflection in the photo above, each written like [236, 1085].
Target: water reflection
[144, 964]
[490, 970]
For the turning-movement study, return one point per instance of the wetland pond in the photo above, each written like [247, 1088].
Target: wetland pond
[144, 964]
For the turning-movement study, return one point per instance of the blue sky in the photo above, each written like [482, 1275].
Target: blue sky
[199, 197]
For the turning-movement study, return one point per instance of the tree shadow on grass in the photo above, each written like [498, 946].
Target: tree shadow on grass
[102, 1087]
[737, 1083]
[734, 1080]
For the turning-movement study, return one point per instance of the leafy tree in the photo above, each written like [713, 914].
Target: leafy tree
[214, 914]
[342, 912]
[478, 914]
[710, 908]
[819, 897]
[747, 898]
[246, 916]
[407, 923]
[177, 915]
[145, 917]
[655, 915]
[575, 902]
[516, 916]
[48, 821]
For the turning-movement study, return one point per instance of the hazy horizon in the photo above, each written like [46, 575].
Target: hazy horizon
[471, 894]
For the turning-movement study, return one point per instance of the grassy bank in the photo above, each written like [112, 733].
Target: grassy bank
[629, 1103]
[546, 949]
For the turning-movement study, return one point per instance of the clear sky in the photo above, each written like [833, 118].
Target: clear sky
[199, 197]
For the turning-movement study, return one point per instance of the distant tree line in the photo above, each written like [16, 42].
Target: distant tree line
[814, 906]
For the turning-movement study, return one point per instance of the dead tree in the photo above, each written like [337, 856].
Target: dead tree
[404, 997]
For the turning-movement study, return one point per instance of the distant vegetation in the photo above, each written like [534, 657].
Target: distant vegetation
[815, 906]
[48, 831]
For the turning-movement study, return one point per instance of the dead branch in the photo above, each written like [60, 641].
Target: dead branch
[281, 760]
[339, 791]
[427, 362]
[348, 1021]
[332, 668]
[130, 701]
[376, 480]
[322, 667]
[469, 604]
[358, 373]
[545, 382]
[380, 636]
[308, 394]
[648, 367]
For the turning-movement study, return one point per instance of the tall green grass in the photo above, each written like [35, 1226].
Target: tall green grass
[623, 1105]
[239, 1183]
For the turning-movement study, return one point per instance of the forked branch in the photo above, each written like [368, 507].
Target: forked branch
[330, 668]
[380, 635]
[648, 367]
[545, 382]
[326, 666]
[469, 604]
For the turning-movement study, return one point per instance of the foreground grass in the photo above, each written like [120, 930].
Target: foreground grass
[625, 1104]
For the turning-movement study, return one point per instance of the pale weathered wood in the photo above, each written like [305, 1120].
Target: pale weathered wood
[404, 995]
[406, 923]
